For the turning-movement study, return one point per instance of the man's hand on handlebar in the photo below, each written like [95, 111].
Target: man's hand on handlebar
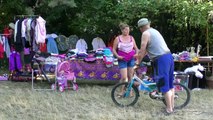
[136, 66]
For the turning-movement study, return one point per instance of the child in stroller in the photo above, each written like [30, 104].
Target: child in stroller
[64, 74]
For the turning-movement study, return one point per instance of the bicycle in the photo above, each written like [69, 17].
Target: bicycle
[182, 93]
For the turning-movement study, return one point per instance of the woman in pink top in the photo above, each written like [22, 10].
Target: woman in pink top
[125, 49]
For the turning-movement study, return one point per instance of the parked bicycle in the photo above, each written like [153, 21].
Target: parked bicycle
[130, 93]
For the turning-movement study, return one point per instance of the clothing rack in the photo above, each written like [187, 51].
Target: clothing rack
[4, 34]
[24, 16]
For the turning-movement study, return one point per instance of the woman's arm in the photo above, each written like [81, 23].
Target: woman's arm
[115, 46]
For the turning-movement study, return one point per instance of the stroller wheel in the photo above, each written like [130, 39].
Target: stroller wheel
[53, 87]
[75, 87]
[61, 88]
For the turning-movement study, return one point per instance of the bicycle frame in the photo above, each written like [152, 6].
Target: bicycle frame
[146, 85]
[136, 78]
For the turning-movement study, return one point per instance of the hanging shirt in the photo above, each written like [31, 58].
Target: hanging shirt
[6, 46]
[19, 43]
[72, 40]
[35, 46]
[16, 29]
[28, 35]
[98, 43]
[40, 30]
[1, 48]
[23, 28]
[81, 45]
[1, 40]
[52, 46]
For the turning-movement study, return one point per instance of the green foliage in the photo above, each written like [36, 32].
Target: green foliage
[55, 3]
[191, 19]
[182, 22]
[190, 12]
[58, 14]
[94, 17]
[10, 8]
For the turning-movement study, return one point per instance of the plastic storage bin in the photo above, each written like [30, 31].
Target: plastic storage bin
[181, 77]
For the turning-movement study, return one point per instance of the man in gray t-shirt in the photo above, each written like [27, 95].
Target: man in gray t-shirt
[154, 44]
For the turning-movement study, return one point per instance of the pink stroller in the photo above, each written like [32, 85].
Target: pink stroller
[64, 74]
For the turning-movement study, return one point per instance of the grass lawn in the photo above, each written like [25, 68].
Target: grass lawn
[91, 102]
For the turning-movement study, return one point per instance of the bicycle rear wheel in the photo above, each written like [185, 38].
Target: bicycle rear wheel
[122, 97]
[182, 96]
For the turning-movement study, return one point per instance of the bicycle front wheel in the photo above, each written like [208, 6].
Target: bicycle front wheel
[124, 96]
[182, 96]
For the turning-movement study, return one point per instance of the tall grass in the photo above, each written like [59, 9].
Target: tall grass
[91, 102]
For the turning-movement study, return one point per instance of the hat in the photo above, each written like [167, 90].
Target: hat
[143, 21]
[12, 25]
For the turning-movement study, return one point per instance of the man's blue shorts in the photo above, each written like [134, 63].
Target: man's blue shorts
[124, 64]
[164, 72]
